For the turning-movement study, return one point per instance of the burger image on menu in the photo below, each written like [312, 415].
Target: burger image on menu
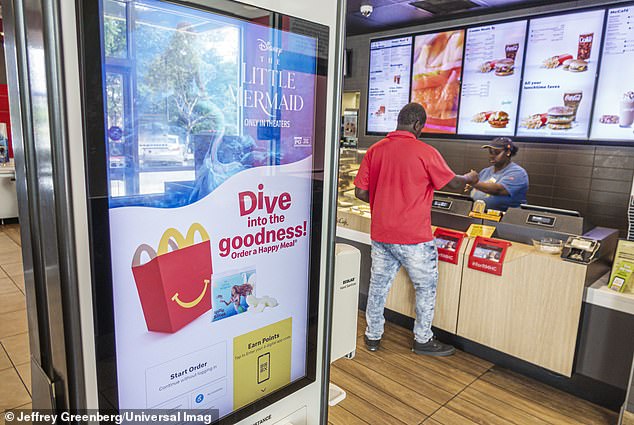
[499, 119]
[577, 65]
[567, 62]
[560, 117]
[504, 67]
[496, 119]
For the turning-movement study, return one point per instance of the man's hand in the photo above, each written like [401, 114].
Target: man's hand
[364, 195]
[472, 177]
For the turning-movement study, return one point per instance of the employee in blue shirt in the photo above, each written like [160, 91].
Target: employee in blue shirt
[504, 184]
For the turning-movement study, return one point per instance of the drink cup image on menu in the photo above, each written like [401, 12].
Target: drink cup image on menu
[572, 99]
[231, 291]
[174, 282]
[626, 109]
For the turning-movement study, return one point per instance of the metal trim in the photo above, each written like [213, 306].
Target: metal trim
[63, 205]
[331, 226]
[19, 95]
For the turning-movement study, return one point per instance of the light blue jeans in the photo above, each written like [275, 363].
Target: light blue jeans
[421, 262]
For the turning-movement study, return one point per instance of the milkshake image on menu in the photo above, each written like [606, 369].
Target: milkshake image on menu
[626, 110]
[572, 99]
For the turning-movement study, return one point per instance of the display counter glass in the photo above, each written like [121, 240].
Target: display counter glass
[349, 163]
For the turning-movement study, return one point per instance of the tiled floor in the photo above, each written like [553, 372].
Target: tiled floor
[15, 368]
[396, 386]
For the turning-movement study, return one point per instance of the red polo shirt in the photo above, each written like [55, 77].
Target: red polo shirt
[401, 174]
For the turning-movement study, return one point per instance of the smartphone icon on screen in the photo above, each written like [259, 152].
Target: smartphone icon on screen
[264, 367]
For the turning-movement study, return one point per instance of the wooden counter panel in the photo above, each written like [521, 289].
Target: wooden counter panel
[531, 312]
[353, 221]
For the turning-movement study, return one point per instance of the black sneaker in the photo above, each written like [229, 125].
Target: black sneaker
[433, 347]
[372, 344]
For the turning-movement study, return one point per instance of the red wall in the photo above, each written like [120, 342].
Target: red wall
[4, 114]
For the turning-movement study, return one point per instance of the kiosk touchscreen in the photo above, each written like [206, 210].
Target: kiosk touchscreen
[207, 194]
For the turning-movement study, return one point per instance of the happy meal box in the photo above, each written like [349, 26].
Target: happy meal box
[230, 292]
[174, 284]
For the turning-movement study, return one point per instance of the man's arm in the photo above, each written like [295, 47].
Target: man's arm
[458, 182]
[364, 195]
[491, 188]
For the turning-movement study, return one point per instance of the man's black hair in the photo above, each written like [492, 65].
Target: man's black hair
[411, 113]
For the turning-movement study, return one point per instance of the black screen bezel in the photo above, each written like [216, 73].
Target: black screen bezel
[409, 94]
[587, 141]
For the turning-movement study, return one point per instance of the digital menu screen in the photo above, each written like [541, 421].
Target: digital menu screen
[212, 311]
[388, 92]
[614, 105]
[436, 78]
[491, 79]
[559, 76]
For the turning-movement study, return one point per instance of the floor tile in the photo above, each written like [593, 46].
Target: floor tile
[24, 370]
[13, 323]
[18, 280]
[6, 285]
[7, 244]
[17, 347]
[13, 231]
[13, 268]
[12, 301]
[13, 393]
[5, 363]
[11, 257]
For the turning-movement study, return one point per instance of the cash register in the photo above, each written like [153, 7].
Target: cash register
[582, 242]
[452, 210]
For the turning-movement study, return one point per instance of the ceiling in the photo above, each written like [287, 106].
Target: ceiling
[391, 14]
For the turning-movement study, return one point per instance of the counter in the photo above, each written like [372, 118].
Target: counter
[531, 311]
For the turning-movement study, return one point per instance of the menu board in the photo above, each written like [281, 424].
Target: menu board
[388, 92]
[436, 81]
[614, 104]
[491, 79]
[559, 76]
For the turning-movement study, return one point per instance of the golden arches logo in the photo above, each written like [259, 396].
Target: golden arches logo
[175, 239]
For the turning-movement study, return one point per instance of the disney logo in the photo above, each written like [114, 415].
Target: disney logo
[267, 46]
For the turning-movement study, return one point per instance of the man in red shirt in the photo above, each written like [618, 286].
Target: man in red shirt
[398, 176]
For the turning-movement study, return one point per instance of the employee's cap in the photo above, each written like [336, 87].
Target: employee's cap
[502, 143]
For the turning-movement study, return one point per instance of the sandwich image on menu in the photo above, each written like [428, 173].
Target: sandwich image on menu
[502, 67]
[559, 75]
[491, 77]
[436, 81]
[560, 117]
